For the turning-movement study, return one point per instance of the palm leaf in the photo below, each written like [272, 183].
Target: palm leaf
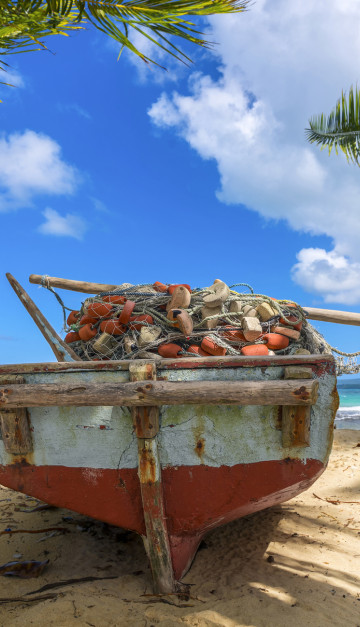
[341, 129]
[24, 23]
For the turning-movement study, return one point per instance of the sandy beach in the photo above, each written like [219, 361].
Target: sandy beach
[297, 563]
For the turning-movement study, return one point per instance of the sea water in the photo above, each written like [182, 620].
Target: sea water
[348, 415]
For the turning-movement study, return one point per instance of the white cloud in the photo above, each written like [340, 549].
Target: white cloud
[31, 164]
[328, 274]
[62, 226]
[99, 205]
[279, 63]
[75, 108]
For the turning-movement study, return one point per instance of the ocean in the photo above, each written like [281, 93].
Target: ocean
[348, 415]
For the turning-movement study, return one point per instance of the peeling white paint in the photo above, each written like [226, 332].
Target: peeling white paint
[103, 437]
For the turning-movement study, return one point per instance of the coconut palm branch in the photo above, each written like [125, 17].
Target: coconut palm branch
[25, 23]
[341, 129]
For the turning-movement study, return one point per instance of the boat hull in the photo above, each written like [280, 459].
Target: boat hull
[197, 498]
[218, 463]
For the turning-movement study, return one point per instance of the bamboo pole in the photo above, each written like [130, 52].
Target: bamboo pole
[62, 351]
[152, 393]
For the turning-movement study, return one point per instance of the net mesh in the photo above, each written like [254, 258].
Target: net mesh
[142, 321]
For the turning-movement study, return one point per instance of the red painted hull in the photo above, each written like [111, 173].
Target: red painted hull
[197, 498]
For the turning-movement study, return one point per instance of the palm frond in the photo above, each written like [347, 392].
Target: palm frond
[341, 129]
[25, 23]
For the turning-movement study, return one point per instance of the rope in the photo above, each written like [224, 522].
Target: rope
[45, 283]
[151, 303]
[244, 284]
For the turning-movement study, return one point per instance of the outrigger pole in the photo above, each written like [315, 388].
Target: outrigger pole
[62, 351]
[312, 313]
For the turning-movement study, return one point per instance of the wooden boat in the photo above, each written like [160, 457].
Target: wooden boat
[170, 450]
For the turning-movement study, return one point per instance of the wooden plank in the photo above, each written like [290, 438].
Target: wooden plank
[145, 419]
[62, 351]
[15, 425]
[156, 541]
[296, 392]
[169, 364]
[296, 426]
[85, 287]
[297, 372]
[332, 315]
[296, 420]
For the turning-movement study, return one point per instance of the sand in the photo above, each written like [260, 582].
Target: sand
[297, 564]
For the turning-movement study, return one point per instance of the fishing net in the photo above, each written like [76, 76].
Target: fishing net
[157, 320]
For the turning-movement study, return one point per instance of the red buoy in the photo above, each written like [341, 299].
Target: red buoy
[73, 317]
[142, 318]
[114, 299]
[127, 311]
[99, 310]
[72, 337]
[112, 326]
[87, 332]
[211, 347]
[255, 349]
[275, 341]
[169, 350]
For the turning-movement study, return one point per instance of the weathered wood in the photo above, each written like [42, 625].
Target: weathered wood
[296, 426]
[156, 541]
[86, 287]
[332, 315]
[62, 351]
[229, 361]
[297, 392]
[296, 419]
[14, 424]
[297, 372]
[105, 344]
[145, 419]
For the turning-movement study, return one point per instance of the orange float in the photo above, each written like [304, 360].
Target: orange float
[72, 337]
[88, 320]
[114, 299]
[73, 317]
[255, 349]
[141, 319]
[297, 326]
[209, 346]
[87, 332]
[127, 311]
[275, 341]
[198, 351]
[169, 350]
[233, 334]
[171, 288]
[113, 327]
[99, 310]
[160, 287]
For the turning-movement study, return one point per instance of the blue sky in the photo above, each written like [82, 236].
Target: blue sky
[114, 172]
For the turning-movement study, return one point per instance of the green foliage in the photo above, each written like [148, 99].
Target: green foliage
[341, 130]
[24, 23]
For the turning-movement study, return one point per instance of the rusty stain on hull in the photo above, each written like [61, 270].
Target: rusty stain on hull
[200, 448]
[147, 465]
